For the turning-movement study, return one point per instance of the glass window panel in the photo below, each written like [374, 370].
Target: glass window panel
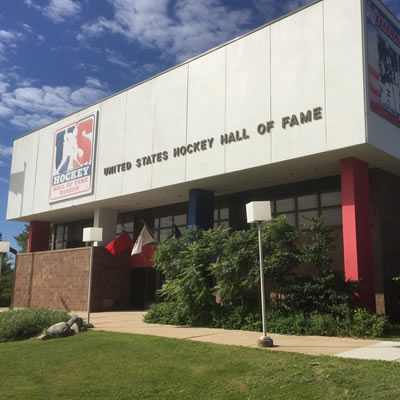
[305, 217]
[59, 245]
[216, 214]
[164, 234]
[165, 222]
[128, 226]
[224, 213]
[180, 219]
[156, 223]
[331, 199]
[285, 205]
[291, 218]
[119, 229]
[309, 201]
[60, 232]
[333, 216]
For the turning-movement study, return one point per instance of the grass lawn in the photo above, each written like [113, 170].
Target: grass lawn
[100, 365]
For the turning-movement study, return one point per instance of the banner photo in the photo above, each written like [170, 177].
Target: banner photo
[383, 64]
[73, 159]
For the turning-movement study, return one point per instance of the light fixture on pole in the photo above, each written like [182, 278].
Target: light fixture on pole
[4, 248]
[91, 235]
[259, 212]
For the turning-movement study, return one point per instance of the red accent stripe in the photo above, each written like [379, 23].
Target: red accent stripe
[357, 228]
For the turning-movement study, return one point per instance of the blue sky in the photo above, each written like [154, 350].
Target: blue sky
[57, 56]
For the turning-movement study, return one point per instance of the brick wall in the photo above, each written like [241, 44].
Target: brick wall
[111, 280]
[59, 279]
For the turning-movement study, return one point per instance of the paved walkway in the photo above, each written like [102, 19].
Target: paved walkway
[132, 322]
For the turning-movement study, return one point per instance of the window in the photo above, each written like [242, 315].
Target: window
[125, 222]
[164, 226]
[299, 210]
[221, 217]
[285, 207]
[331, 207]
[70, 235]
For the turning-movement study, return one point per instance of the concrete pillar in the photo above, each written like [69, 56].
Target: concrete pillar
[106, 218]
[357, 228]
[201, 208]
[38, 237]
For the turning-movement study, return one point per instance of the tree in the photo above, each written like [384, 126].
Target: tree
[22, 239]
[6, 280]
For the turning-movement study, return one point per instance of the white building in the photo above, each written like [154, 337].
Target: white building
[304, 111]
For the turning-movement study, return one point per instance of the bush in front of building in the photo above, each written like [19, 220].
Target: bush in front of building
[201, 266]
[186, 261]
[352, 322]
[29, 322]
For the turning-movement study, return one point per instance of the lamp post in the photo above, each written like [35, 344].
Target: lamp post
[91, 235]
[259, 212]
[4, 248]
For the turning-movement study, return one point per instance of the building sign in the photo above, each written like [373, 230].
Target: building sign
[73, 159]
[287, 122]
[383, 64]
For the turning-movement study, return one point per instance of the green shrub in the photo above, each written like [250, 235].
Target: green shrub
[164, 313]
[24, 324]
[201, 265]
[366, 324]
[186, 261]
[325, 292]
[359, 322]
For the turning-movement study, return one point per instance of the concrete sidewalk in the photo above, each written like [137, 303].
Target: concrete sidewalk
[132, 322]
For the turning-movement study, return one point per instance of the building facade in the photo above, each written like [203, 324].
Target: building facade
[304, 111]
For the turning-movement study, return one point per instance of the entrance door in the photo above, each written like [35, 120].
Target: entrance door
[143, 287]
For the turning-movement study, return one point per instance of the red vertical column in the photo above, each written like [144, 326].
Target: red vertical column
[38, 239]
[357, 228]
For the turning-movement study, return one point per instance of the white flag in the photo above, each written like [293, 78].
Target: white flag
[144, 238]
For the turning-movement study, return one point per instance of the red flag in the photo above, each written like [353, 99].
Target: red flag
[118, 246]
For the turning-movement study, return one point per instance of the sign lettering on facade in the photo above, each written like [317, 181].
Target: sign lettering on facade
[225, 139]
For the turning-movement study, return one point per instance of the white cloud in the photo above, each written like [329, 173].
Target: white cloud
[3, 86]
[5, 151]
[41, 38]
[31, 107]
[5, 157]
[93, 82]
[117, 59]
[87, 67]
[180, 29]
[8, 39]
[57, 10]
[31, 121]
[27, 27]
[5, 111]
[151, 69]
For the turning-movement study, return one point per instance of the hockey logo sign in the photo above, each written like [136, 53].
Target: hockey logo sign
[73, 159]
